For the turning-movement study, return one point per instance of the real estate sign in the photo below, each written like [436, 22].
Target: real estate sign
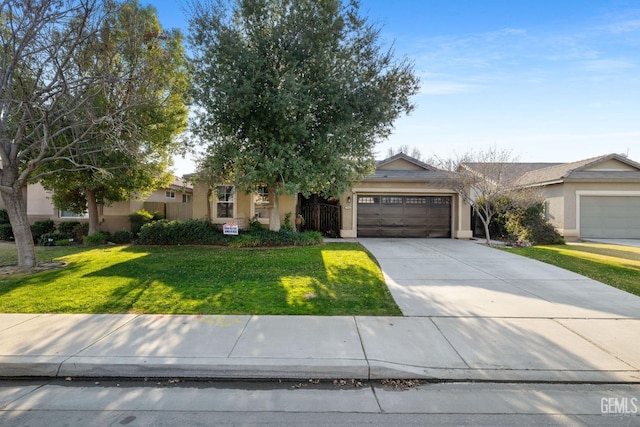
[230, 228]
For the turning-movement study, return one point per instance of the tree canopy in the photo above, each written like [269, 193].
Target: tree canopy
[292, 94]
[133, 36]
[71, 89]
[482, 179]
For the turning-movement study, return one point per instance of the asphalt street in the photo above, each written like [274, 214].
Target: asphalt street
[176, 402]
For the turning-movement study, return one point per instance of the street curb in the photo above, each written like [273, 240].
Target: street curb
[283, 369]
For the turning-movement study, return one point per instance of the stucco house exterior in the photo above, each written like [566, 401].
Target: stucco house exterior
[597, 197]
[402, 198]
[115, 216]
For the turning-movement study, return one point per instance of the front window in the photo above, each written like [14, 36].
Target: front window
[170, 194]
[69, 214]
[261, 204]
[186, 198]
[224, 201]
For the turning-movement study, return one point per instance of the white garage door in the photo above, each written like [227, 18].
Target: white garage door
[610, 217]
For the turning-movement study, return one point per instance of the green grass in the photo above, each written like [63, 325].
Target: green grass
[615, 265]
[331, 279]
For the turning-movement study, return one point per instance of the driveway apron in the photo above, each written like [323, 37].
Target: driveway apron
[458, 278]
[504, 316]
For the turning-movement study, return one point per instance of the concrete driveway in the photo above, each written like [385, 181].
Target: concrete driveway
[457, 278]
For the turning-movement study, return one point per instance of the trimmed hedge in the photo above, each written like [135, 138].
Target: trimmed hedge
[75, 230]
[202, 232]
[39, 228]
[122, 237]
[6, 231]
[97, 239]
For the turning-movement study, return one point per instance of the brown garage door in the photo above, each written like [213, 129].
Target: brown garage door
[404, 216]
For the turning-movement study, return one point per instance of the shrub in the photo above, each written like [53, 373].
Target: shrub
[138, 219]
[276, 238]
[4, 216]
[51, 239]
[529, 225]
[255, 225]
[96, 239]
[6, 231]
[39, 228]
[121, 237]
[75, 230]
[80, 230]
[286, 225]
[190, 232]
[67, 227]
[201, 232]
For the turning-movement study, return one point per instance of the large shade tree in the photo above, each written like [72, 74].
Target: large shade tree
[135, 43]
[63, 102]
[292, 94]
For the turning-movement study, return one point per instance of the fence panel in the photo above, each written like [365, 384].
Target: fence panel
[182, 211]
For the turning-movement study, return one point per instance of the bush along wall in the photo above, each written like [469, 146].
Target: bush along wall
[202, 232]
[528, 225]
[6, 231]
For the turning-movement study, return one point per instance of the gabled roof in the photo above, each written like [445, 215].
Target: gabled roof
[402, 167]
[532, 174]
[510, 171]
[580, 170]
[180, 184]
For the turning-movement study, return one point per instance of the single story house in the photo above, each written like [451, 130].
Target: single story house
[173, 201]
[404, 197]
[597, 197]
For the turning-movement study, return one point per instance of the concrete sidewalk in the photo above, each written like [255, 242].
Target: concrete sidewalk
[301, 347]
[471, 313]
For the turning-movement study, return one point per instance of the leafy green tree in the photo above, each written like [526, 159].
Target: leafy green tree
[292, 94]
[131, 36]
[71, 89]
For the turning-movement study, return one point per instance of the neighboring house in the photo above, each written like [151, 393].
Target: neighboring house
[402, 198]
[174, 200]
[592, 198]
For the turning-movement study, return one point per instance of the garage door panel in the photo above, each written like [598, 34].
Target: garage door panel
[404, 216]
[610, 216]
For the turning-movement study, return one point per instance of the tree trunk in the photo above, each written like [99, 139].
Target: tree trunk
[486, 230]
[92, 207]
[274, 216]
[17, 212]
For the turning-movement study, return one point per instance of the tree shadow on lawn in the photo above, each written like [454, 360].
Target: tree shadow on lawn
[629, 257]
[30, 287]
[324, 280]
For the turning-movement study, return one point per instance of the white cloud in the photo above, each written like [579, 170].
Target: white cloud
[506, 32]
[624, 26]
[608, 65]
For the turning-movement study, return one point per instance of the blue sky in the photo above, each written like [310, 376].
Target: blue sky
[549, 80]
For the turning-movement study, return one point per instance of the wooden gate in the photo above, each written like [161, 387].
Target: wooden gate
[322, 217]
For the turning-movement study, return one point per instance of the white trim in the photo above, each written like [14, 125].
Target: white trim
[599, 193]
[215, 203]
[269, 207]
[384, 191]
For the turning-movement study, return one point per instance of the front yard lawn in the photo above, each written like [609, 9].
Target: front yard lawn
[330, 279]
[615, 265]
